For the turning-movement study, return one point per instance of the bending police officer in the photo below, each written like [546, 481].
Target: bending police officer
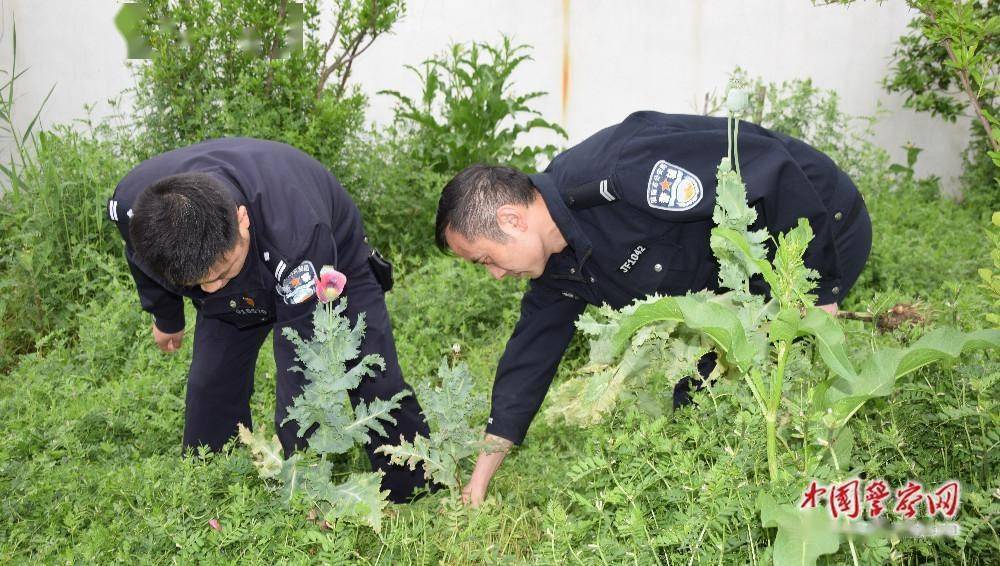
[242, 227]
[625, 214]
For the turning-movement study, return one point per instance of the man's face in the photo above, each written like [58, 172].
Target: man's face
[520, 255]
[232, 261]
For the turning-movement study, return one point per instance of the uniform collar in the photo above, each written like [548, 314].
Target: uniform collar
[575, 237]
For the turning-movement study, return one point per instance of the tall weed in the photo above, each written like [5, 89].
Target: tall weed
[468, 111]
[60, 250]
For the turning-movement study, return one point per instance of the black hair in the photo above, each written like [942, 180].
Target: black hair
[469, 202]
[183, 225]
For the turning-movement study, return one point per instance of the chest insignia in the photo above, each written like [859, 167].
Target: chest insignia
[299, 285]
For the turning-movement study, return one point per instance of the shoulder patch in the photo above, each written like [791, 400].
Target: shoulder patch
[672, 187]
[299, 285]
[113, 210]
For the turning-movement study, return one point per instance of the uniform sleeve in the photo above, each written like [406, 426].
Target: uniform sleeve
[776, 185]
[166, 307]
[528, 364]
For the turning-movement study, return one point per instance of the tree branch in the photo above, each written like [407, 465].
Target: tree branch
[276, 42]
[963, 75]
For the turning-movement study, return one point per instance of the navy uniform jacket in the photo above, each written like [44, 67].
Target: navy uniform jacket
[634, 203]
[300, 220]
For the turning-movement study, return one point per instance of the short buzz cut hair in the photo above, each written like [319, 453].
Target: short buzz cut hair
[469, 202]
[183, 225]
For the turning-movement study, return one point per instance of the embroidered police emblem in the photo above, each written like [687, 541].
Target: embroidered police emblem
[299, 285]
[673, 188]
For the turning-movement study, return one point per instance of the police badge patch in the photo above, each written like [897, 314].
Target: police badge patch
[673, 188]
[299, 285]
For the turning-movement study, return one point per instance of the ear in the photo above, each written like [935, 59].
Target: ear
[512, 218]
[243, 218]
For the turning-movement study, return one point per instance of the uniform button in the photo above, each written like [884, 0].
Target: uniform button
[836, 290]
[838, 216]
[592, 280]
[657, 268]
[572, 270]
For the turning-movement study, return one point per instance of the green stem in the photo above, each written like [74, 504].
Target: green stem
[772, 446]
[836, 465]
[771, 417]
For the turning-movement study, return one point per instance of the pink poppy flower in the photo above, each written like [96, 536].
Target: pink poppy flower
[330, 285]
[214, 523]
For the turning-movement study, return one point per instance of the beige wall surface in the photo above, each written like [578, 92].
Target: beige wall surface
[597, 59]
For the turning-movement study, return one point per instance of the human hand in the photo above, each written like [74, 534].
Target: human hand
[168, 343]
[830, 308]
[492, 455]
[474, 494]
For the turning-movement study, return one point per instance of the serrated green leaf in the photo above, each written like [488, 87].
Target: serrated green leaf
[437, 464]
[339, 432]
[785, 327]
[793, 281]
[357, 500]
[449, 408]
[267, 455]
[698, 313]
[586, 399]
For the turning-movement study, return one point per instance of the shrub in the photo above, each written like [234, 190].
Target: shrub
[59, 249]
[203, 82]
[468, 112]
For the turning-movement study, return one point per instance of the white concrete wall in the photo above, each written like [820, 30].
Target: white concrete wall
[622, 55]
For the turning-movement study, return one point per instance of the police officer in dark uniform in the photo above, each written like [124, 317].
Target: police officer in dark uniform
[624, 214]
[242, 227]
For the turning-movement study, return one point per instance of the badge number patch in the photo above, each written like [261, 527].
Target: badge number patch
[673, 188]
[299, 285]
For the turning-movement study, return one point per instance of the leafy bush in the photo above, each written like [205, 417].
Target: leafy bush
[468, 113]
[202, 80]
[59, 249]
[947, 66]
[396, 193]
[991, 275]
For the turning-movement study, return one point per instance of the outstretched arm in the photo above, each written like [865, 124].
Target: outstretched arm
[523, 377]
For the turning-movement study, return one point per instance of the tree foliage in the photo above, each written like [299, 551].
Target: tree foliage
[237, 68]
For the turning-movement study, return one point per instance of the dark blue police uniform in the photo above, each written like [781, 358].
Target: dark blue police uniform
[634, 203]
[300, 220]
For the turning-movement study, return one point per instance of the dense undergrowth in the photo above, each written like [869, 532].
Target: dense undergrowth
[90, 462]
